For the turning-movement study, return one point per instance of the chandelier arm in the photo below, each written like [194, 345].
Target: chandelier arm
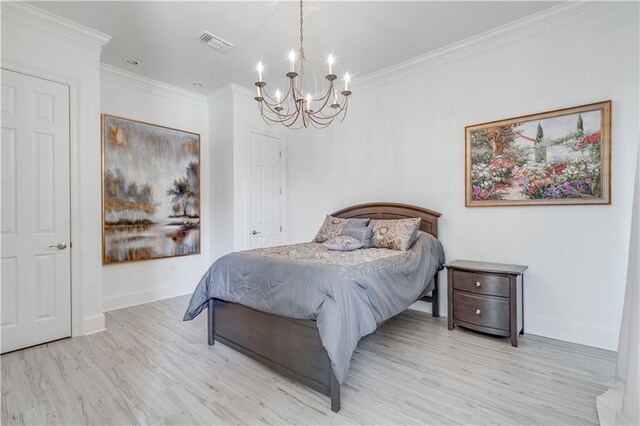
[297, 93]
[291, 119]
[320, 124]
[337, 111]
[288, 121]
[274, 102]
[319, 119]
[317, 126]
[279, 114]
[264, 118]
[280, 118]
[295, 98]
[341, 109]
[272, 121]
[325, 98]
[320, 114]
[340, 120]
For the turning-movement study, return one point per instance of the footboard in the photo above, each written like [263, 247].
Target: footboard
[289, 346]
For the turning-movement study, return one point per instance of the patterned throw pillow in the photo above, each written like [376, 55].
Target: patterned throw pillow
[396, 234]
[343, 243]
[363, 233]
[332, 227]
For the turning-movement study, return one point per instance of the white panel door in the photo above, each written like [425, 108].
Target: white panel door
[35, 212]
[265, 194]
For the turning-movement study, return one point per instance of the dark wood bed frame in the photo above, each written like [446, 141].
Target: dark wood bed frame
[292, 347]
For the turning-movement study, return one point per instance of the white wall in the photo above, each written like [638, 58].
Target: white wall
[128, 95]
[46, 46]
[221, 160]
[233, 115]
[403, 141]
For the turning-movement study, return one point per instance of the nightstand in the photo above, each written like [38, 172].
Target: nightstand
[486, 297]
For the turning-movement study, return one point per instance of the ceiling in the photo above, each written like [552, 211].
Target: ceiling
[364, 36]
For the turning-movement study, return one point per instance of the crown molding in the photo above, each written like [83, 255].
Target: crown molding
[151, 86]
[224, 91]
[546, 20]
[34, 18]
[243, 93]
[230, 89]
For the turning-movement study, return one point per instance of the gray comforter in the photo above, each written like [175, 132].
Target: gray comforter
[347, 293]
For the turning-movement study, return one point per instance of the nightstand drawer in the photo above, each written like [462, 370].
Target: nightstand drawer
[481, 310]
[482, 283]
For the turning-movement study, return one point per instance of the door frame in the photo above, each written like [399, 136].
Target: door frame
[74, 173]
[283, 182]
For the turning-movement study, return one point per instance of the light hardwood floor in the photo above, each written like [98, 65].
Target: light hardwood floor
[150, 367]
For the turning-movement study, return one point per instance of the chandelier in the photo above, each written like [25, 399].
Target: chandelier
[305, 99]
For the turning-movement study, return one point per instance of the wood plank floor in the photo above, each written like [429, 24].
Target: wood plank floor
[151, 368]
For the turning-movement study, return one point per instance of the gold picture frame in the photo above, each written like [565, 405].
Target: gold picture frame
[559, 157]
[160, 175]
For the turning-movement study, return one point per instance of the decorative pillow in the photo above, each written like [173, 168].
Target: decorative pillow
[358, 223]
[363, 234]
[343, 243]
[397, 234]
[332, 227]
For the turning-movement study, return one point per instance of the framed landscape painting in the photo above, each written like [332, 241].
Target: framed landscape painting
[150, 191]
[556, 157]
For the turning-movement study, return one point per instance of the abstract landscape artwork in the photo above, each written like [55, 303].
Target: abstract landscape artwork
[150, 191]
[557, 157]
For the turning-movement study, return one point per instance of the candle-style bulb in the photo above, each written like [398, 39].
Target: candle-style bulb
[330, 60]
[292, 58]
[347, 78]
[278, 95]
[308, 100]
[260, 68]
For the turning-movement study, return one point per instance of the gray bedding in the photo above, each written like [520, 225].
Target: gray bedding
[347, 293]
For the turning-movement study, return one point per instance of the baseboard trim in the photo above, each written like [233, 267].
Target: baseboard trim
[557, 329]
[93, 324]
[573, 332]
[140, 297]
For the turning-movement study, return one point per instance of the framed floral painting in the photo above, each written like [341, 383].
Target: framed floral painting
[555, 157]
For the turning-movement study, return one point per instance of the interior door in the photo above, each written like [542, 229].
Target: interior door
[35, 222]
[265, 194]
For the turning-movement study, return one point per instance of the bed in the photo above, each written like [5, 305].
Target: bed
[301, 309]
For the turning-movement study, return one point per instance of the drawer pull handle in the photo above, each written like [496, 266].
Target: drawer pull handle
[477, 311]
[477, 283]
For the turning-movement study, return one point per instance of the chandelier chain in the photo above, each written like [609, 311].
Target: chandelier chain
[301, 28]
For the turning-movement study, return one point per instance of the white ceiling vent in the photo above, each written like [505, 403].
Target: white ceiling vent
[214, 41]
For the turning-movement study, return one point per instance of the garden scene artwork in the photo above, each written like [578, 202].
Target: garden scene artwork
[151, 191]
[559, 157]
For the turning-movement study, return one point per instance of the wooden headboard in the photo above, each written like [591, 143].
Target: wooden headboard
[393, 211]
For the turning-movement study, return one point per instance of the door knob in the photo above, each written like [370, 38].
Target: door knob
[255, 232]
[59, 246]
